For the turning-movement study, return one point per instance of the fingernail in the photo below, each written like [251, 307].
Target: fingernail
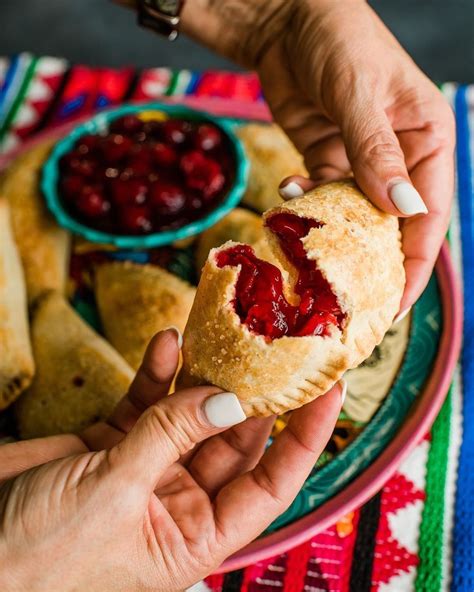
[343, 385]
[291, 191]
[407, 199]
[401, 315]
[224, 410]
[179, 337]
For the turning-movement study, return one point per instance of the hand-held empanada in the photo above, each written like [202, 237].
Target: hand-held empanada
[79, 376]
[43, 245]
[241, 226]
[16, 359]
[136, 301]
[279, 342]
[272, 158]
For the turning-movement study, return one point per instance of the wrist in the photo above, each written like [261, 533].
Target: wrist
[241, 30]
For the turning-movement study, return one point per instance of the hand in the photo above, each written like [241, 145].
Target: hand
[163, 505]
[351, 100]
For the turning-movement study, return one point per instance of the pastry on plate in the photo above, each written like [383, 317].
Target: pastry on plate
[272, 158]
[279, 335]
[43, 245]
[239, 225]
[16, 359]
[79, 376]
[136, 301]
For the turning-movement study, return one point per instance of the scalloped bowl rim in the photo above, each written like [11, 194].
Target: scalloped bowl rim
[50, 177]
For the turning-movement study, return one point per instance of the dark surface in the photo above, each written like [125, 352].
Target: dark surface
[438, 34]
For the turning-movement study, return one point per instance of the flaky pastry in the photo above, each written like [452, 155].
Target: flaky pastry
[79, 376]
[136, 301]
[16, 358]
[272, 157]
[43, 245]
[281, 335]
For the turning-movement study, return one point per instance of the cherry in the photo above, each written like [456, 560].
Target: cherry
[164, 155]
[71, 186]
[175, 131]
[92, 203]
[167, 198]
[75, 162]
[128, 192]
[136, 219]
[126, 125]
[260, 302]
[88, 143]
[206, 137]
[153, 129]
[207, 178]
[115, 147]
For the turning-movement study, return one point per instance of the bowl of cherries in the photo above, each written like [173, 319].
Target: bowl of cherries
[145, 176]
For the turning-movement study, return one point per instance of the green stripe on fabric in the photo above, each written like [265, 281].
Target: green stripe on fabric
[30, 72]
[431, 539]
[173, 82]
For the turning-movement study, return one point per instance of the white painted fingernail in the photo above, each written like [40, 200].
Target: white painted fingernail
[343, 385]
[224, 410]
[400, 316]
[291, 191]
[179, 337]
[407, 199]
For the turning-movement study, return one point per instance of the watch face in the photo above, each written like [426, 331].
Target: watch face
[166, 6]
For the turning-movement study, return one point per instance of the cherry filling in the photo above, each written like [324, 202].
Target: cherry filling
[260, 302]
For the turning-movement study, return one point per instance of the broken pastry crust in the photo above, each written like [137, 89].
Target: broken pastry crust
[358, 251]
[241, 226]
[272, 157]
[43, 245]
[79, 376]
[136, 301]
[16, 358]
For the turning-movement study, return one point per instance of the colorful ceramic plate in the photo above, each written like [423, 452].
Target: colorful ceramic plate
[392, 400]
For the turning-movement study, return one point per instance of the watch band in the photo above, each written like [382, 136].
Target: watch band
[162, 16]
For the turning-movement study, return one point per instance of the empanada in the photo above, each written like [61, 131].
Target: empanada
[241, 226]
[79, 376]
[136, 301]
[272, 158]
[43, 245]
[16, 359]
[280, 342]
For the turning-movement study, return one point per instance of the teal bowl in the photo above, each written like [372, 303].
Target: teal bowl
[100, 123]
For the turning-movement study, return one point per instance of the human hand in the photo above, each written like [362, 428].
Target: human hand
[352, 101]
[162, 506]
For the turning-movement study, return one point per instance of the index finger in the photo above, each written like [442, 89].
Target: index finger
[265, 492]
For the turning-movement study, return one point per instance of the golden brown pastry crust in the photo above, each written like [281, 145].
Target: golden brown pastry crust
[358, 250]
[16, 358]
[136, 301]
[79, 376]
[43, 245]
[241, 226]
[272, 158]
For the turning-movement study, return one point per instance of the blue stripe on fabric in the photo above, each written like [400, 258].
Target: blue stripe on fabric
[9, 77]
[463, 536]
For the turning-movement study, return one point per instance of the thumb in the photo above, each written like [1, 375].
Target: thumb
[378, 162]
[171, 428]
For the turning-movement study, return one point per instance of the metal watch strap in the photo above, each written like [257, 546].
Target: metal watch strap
[161, 16]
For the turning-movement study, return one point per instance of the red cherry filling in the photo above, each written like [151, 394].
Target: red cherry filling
[259, 299]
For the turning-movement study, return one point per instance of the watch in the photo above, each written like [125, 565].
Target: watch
[162, 16]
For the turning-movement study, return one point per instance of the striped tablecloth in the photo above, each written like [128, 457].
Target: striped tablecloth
[418, 532]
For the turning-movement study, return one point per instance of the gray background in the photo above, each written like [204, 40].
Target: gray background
[438, 34]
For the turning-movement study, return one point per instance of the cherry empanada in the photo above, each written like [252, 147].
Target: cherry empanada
[16, 359]
[43, 245]
[280, 334]
[136, 301]
[272, 158]
[79, 376]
